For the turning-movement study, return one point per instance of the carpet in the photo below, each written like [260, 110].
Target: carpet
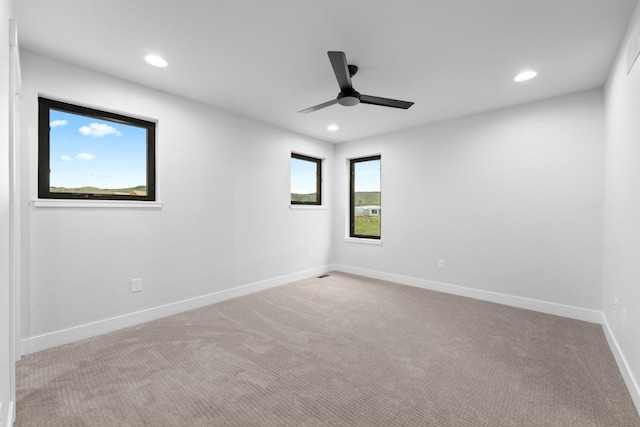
[336, 351]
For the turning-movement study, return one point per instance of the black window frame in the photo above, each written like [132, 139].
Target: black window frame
[45, 105]
[352, 202]
[318, 162]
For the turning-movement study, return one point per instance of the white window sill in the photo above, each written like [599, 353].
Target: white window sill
[68, 203]
[308, 207]
[362, 241]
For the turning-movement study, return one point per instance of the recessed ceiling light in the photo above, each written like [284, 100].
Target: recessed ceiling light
[333, 128]
[156, 61]
[525, 75]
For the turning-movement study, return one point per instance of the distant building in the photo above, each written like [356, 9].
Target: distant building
[367, 210]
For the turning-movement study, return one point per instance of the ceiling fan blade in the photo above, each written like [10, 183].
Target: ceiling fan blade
[319, 106]
[341, 70]
[385, 102]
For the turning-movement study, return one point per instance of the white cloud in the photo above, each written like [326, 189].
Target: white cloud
[57, 123]
[65, 158]
[98, 130]
[85, 156]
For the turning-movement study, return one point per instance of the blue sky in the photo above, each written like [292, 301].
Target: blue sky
[93, 152]
[303, 176]
[368, 175]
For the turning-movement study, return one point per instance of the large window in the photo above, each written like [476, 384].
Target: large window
[86, 153]
[306, 180]
[365, 206]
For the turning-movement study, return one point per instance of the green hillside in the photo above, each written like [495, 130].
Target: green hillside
[297, 197]
[367, 198]
[363, 198]
[139, 190]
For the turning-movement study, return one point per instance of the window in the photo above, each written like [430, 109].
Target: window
[84, 153]
[365, 206]
[306, 180]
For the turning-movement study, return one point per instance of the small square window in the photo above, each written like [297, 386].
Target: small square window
[306, 180]
[84, 153]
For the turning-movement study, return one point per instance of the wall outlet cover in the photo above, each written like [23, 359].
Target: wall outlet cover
[136, 285]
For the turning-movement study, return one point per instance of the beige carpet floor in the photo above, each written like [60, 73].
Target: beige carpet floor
[336, 351]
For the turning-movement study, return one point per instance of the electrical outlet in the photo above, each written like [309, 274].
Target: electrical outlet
[440, 263]
[136, 285]
[309, 253]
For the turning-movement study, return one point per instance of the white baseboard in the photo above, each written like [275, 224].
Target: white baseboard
[10, 418]
[571, 312]
[76, 333]
[625, 370]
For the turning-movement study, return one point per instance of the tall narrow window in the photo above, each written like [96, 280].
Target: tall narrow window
[306, 180]
[365, 206]
[84, 153]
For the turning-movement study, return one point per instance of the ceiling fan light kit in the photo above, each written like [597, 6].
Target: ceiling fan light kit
[348, 96]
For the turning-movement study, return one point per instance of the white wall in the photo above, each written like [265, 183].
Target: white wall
[510, 199]
[5, 317]
[224, 181]
[622, 209]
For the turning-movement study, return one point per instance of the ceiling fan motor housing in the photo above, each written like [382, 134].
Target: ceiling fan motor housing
[349, 99]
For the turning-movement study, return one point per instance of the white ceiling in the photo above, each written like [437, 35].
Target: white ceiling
[267, 59]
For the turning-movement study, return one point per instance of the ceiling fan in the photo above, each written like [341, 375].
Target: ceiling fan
[348, 96]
